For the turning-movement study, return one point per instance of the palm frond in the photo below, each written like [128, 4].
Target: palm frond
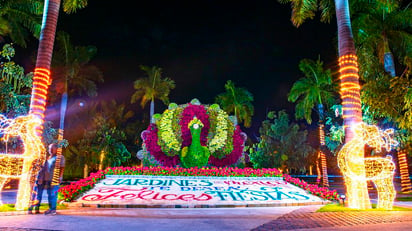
[71, 6]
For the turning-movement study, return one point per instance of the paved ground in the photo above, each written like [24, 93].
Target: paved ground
[148, 219]
[255, 219]
[309, 220]
[170, 219]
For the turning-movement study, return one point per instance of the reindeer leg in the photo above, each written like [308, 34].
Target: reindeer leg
[3, 181]
[386, 193]
[358, 197]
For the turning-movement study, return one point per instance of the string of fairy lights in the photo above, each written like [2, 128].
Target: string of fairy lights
[325, 181]
[351, 159]
[350, 89]
[29, 129]
[21, 166]
[357, 169]
[404, 173]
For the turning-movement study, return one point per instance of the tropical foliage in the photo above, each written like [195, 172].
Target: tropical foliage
[152, 87]
[282, 144]
[314, 91]
[15, 84]
[72, 71]
[383, 38]
[97, 138]
[18, 17]
[238, 101]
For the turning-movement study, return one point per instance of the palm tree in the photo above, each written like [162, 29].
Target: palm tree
[72, 70]
[349, 78]
[238, 101]
[112, 137]
[70, 65]
[18, 16]
[152, 87]
[313, 91]
[381, 32]
[41, 79]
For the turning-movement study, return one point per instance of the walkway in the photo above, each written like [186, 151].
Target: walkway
[306, 219]
[185, 219]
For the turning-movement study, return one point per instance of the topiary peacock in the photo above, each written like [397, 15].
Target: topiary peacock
[192, 135]
[195, 154]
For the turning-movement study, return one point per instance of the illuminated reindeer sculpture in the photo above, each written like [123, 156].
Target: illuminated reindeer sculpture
[357, 169]
[23, 166]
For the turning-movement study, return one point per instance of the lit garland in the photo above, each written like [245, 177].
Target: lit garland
[322, 156]
[357, 169]
[21, 166]
[350, 90]
[325, 181]
[41, 82]
[403, 170]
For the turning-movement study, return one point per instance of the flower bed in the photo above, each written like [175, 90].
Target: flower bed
[322, 192]
[72, 191]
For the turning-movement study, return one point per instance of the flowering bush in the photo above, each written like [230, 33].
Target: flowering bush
[236, 153]
[322, 192]
[151, 144]
[72, 191]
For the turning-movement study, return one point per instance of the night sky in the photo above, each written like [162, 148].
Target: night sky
[201, 44]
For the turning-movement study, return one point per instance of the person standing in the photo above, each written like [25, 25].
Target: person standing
[44, 181]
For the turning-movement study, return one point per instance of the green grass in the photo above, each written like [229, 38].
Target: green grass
[43, 207]
[333, 207]
[403, 193]
[404, 198]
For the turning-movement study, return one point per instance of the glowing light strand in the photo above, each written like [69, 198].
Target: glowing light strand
[325, 181]
[21, 166]
[350, 89]
[41, 82]
[406, 186]
[357, 169]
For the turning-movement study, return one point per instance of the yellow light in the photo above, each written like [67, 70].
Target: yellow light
[23, 166]
[357, 169]
[41, 82]
[406, 186]
[322, 156]
[350, 91]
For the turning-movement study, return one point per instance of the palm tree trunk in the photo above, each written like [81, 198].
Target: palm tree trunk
[350, 95]
[325, 180]
[388, 61]
[41, 79]
[389, 64]
[406, 186]
[63, 107]
[102, 157]
[151, 111]
[349, 77]
[85, 171]
[318, 167]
